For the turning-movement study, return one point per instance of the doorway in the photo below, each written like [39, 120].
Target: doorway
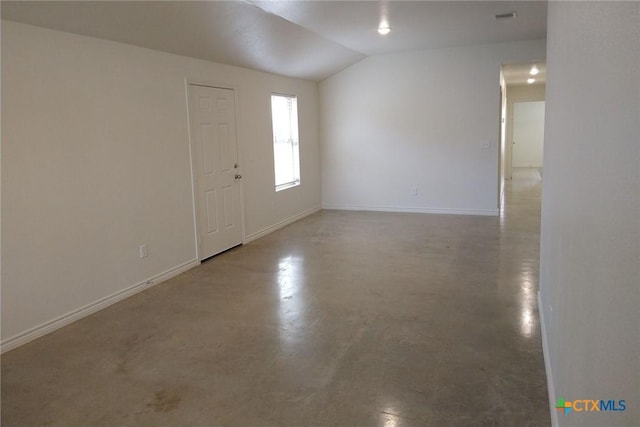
[523, 88]
[528, 134]
[216, 171]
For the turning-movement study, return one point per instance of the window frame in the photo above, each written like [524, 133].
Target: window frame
[294, 143]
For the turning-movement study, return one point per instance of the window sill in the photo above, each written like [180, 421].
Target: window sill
[287, 186]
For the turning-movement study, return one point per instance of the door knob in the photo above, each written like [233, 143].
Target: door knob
[238, 176]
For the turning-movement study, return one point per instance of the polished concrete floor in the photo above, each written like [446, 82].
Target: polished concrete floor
[341, 319]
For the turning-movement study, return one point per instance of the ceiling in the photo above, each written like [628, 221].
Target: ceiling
[517, 74]
[305, 39]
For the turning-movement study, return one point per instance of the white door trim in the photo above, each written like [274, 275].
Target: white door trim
[194, 203]
[509, 129]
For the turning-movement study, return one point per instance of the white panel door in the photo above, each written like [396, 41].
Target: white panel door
[215, 160]
[528, 134]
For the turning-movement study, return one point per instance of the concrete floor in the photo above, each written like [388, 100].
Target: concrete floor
[341, 319]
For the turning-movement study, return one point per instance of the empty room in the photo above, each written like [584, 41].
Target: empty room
[323, 213]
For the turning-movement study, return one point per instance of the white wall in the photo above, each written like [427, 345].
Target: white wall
[526, 92]
[590, 242]
[417, 119]
[528, 134]
[95, 162]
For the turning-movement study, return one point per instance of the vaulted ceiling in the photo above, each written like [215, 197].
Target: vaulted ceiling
[305, 39]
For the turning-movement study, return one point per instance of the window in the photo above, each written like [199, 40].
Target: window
[286, 157]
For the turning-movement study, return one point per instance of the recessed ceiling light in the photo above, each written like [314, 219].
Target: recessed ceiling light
[530, 80]
[384, 30]
[534, 70]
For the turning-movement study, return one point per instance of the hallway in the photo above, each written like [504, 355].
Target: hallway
[340, 319]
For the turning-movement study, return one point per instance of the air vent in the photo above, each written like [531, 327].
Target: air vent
[508, 15]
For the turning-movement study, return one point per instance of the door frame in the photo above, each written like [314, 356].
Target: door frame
[194, 200]
[501, 140]
[512, 124]
[509, 129]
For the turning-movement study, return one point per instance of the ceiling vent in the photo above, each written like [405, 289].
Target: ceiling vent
[508, 15]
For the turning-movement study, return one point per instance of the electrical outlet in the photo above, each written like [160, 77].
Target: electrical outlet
[414, 191]
[143, 251]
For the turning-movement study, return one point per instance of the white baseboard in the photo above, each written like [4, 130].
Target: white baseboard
[59, 322]
[489, 212]
[528, 165]
[258, 234]
[547, 365]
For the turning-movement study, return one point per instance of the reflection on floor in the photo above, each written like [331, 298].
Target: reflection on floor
[341, 319]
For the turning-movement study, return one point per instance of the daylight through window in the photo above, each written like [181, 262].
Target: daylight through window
[286, 157]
